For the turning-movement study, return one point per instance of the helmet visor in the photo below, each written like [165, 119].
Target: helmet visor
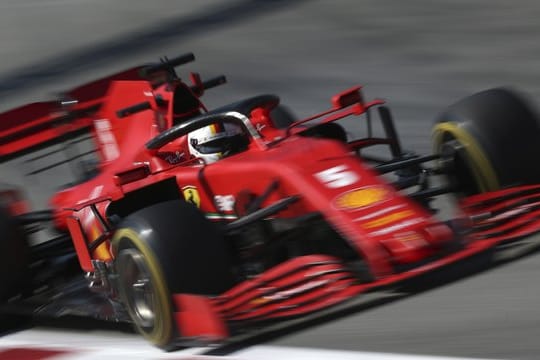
[214, 146]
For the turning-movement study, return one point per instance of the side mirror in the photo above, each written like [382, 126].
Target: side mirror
[137, 172]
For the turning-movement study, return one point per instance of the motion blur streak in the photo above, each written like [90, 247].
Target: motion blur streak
[419, 54]
[38, 345]
[123, 47]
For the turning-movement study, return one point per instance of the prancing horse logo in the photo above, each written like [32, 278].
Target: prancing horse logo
[191, 194]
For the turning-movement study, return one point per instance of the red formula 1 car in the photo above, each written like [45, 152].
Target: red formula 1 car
[192, 222]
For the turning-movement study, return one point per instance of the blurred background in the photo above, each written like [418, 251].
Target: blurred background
[419, 55]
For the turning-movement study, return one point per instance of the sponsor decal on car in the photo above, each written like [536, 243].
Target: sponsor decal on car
[107, 139]
[173, 158]
[385, 220]
[396, 227]
[191, 194]
[411, 239]
[378, 213]
[337, 176]
[361, 197]
[220, 216]
[224, 203]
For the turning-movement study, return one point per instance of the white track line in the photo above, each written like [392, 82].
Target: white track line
[114, 346]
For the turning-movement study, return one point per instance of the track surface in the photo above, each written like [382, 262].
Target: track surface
[419, 55]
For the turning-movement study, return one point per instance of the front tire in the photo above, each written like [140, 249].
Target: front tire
[487, 141]
[164, 249]
[143, 289]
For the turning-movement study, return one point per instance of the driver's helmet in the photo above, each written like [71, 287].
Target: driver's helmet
[216, 141]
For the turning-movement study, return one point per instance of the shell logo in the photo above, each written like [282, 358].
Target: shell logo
[362, 197]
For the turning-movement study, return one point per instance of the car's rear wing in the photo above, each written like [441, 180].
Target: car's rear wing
[33, 126]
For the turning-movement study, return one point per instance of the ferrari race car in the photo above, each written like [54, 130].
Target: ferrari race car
[286, 218]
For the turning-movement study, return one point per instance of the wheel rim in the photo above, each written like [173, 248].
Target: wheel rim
[457, 165]
[137, 284]
[478, 162]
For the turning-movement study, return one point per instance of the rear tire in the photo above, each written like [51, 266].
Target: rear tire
[14, 248]
[282, 117]
[13, 267]
[487, 141]
[165, 249]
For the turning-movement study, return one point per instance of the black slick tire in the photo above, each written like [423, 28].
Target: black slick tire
[14, 248]
[161, 250]
[488, 140]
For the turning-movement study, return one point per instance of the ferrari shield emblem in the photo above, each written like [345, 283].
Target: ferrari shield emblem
[191, 194]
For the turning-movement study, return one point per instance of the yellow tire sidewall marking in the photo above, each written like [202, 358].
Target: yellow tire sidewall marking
[163, 327]
[483, 171]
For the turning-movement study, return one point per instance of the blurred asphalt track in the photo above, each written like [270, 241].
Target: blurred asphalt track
[420, 55]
